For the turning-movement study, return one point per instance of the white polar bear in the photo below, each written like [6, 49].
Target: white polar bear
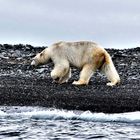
[86, 55]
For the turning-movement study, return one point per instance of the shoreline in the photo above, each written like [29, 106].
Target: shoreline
[22, 86]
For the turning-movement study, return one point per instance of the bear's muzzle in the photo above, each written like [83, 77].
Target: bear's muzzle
[33, 63]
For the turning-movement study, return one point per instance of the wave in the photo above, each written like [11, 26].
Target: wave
[56, 114]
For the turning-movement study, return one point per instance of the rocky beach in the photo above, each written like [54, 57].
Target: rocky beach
[20, 85]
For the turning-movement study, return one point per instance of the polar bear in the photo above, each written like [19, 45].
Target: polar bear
[88, 56]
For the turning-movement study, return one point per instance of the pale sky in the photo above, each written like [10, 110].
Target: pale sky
[111, 23]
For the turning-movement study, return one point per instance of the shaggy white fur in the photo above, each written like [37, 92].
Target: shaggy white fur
[86, 55]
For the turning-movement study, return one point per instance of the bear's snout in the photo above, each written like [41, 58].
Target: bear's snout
[33, 63]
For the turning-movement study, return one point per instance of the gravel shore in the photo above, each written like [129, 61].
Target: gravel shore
[22, 86]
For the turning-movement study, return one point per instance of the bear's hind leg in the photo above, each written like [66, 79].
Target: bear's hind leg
[85, 75]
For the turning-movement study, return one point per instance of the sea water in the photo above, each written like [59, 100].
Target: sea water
[38, 123]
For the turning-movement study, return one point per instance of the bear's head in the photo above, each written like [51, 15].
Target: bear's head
[41, 58]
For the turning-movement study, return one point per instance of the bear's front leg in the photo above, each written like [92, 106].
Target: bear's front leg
[65, 78]
[61, 74]
[85, 75]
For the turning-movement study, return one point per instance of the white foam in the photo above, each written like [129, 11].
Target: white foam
[2, 113]
[88, 116]
[55, 114]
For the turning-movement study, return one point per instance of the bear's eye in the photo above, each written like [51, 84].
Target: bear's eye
[41, 54]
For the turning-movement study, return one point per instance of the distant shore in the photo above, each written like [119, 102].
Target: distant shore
[22, 86]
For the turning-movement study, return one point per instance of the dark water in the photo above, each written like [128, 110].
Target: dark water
[41, 124]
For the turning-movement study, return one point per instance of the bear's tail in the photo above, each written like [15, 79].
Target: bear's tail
[109, 70]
